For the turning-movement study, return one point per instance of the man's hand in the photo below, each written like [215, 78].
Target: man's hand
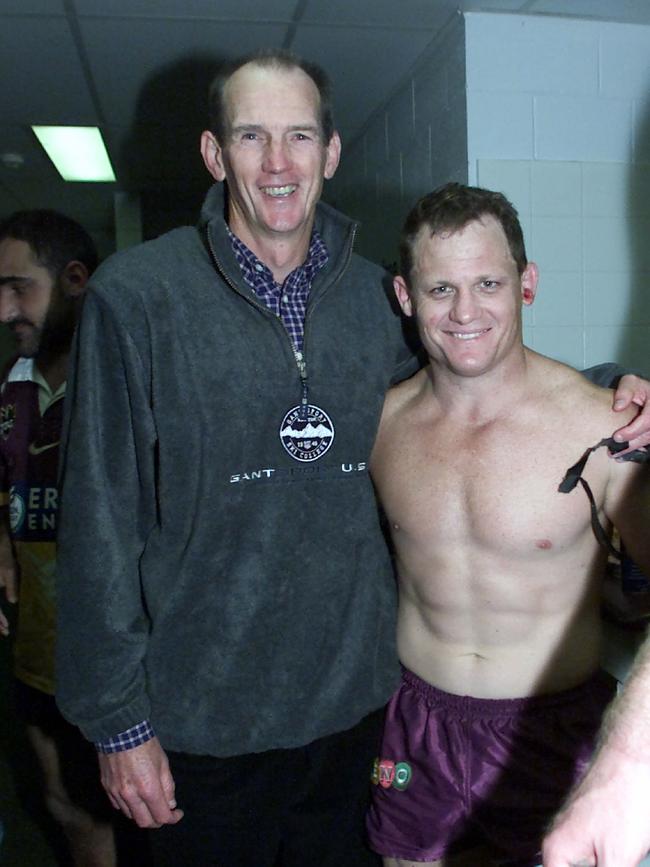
[632, 390]
[8, 580]
[139, 783]
[605, 822]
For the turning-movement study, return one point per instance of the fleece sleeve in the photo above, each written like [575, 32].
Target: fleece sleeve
[108, 508]
[608, 374]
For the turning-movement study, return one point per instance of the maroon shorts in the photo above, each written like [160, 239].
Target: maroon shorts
[455, 771]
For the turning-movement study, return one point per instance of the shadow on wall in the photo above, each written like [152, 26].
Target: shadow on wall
[380, 220]
[377, 237]
[163, 144]
[634, 348]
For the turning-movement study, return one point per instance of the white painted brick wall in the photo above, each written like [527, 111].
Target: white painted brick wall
[556, 113]
[411, 145]
[559, 120]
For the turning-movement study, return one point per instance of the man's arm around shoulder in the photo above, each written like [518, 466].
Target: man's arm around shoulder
[630, 391]
[605, 822]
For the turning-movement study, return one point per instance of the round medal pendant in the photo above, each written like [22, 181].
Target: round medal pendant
[306, 433]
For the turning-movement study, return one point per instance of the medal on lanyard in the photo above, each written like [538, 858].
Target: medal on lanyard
[306, 431]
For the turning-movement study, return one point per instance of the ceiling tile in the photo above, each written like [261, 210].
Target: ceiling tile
[42, 80]
[624, 11]
[237, 10]
[380, 13]
[33, 7]
[356, 61]
[145, 69]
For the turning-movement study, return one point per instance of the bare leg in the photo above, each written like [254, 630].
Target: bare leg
[399, 862]
[479, 857]
[91, 841]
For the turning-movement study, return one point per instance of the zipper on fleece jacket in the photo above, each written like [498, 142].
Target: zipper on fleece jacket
[298, 355]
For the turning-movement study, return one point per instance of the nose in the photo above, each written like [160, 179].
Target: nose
[276, 157]
[465, 308]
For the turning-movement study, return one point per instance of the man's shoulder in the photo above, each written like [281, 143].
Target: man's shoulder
[402, 398]
[159, 257]
[371, 276]
[581, 405]
[17, 374]
[17, 368]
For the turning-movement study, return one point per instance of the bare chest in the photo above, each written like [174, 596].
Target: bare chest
[495, 488]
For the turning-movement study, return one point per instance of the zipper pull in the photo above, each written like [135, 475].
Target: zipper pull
[302, 370]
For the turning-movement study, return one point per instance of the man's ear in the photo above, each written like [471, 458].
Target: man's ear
[403, 295]
[333, 156]
[74, 278]
[212, 154]
[529, 280]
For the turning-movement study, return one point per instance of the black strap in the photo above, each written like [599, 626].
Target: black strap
[574, 475]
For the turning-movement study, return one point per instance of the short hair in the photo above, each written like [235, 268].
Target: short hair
[452, 207]
[53, 238]
[269, 58]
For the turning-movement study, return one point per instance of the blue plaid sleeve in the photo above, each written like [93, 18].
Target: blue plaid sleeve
[133, 737]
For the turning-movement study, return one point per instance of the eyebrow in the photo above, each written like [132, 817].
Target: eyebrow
[13, 278]
[494, 275]
[257, 127]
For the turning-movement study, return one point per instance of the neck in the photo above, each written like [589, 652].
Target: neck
[53, 367]
[482, 398]
[280, 254]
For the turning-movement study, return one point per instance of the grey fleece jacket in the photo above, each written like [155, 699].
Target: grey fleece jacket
[211, 579]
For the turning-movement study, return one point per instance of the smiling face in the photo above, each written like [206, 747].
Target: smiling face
[274, 158]
[467, 294]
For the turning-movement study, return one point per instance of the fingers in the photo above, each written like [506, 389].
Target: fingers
[556, 856]
[4, 624]
[148, 809]
[169, 787]
[631, 390]
[139, 783]
[636, 433]
[150, 813]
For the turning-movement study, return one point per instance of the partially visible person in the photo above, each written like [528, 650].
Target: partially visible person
[606, 821]
[45, 261]
[500, 572]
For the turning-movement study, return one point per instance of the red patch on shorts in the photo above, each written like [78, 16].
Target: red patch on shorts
[386, 773]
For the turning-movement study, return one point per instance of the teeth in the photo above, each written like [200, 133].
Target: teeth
[279, 191]
[467, 335]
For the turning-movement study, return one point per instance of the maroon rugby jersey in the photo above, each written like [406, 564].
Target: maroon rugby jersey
[29, 453]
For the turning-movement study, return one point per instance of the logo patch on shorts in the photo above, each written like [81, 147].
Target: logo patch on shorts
[306, 439]
[387, 773]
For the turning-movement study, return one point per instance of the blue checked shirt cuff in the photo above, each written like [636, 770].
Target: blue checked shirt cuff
[133, 737]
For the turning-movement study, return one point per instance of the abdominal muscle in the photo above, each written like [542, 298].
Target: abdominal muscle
[501, 633]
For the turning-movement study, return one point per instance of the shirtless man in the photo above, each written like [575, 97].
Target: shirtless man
[499, 573]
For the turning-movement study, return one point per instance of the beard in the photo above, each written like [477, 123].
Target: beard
[57, 331]
[53, 336]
